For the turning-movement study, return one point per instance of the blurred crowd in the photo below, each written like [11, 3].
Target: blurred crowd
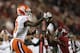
[64, 12]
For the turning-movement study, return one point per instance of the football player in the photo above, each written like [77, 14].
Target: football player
[22, 23]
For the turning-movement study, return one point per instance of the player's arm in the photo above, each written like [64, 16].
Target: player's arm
[28, 23]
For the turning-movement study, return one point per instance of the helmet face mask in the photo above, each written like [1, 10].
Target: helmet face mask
[28, 12]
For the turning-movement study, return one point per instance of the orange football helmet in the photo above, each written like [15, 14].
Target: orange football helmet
[23, 10]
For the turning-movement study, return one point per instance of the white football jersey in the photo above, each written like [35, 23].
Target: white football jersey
[21, 31]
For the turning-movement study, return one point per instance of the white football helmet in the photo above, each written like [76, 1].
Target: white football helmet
[23, 10]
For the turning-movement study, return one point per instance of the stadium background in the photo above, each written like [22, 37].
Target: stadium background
[64, 12]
